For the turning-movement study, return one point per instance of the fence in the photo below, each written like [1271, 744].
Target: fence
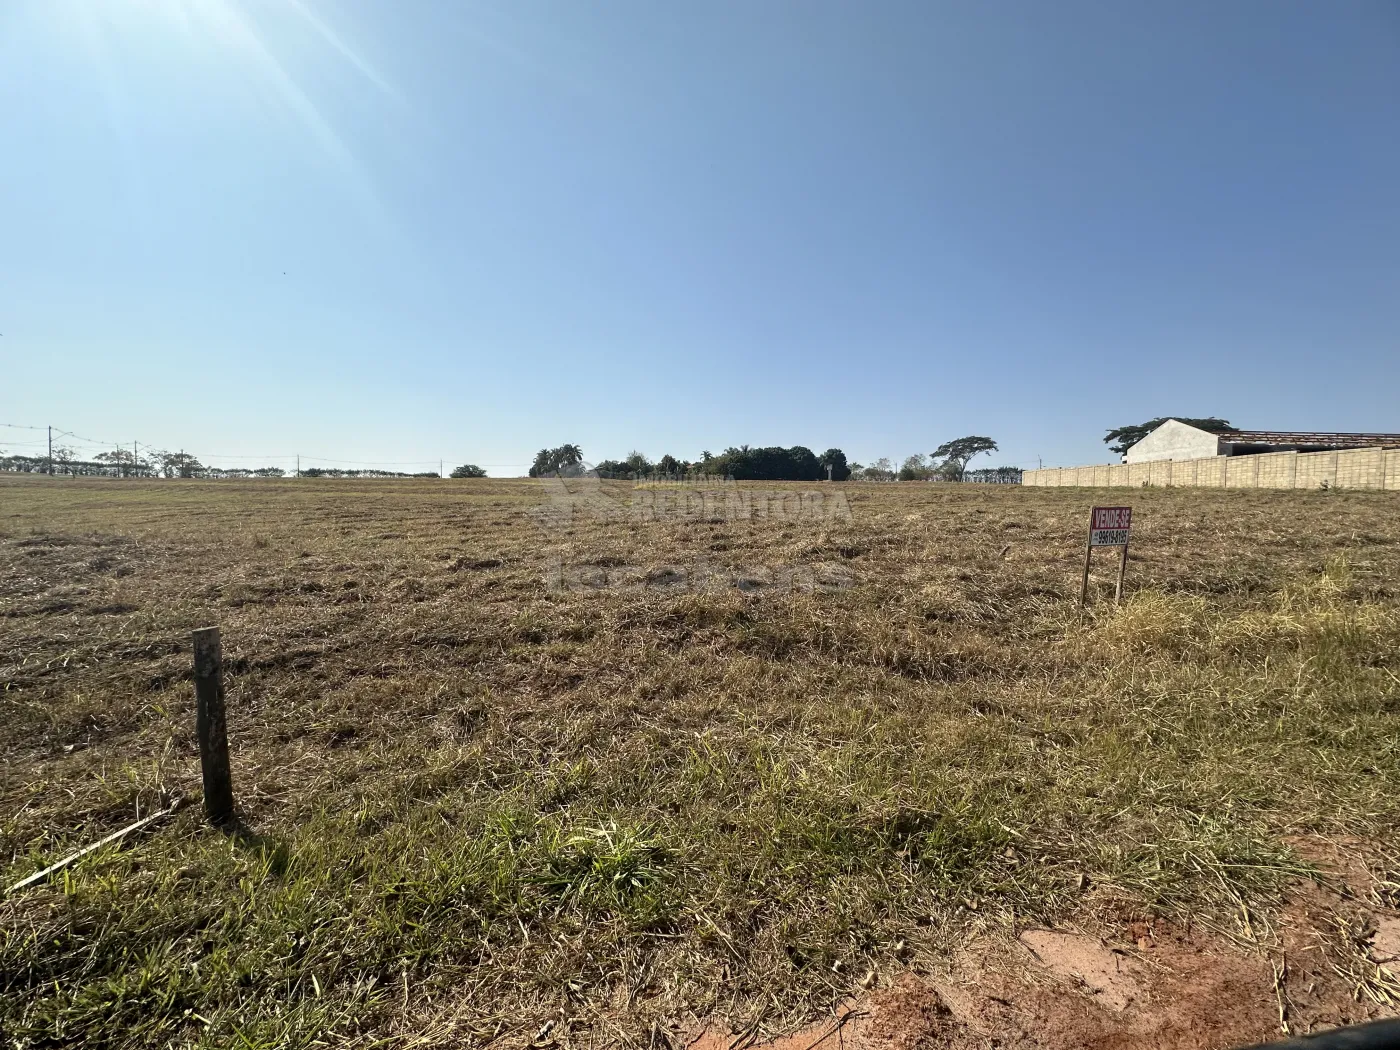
[1356, 468]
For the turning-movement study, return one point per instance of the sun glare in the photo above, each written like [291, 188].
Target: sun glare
[258, 43]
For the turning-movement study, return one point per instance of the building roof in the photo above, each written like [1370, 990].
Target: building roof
[1286, 437]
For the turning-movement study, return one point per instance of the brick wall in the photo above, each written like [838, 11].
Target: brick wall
[1357, 468]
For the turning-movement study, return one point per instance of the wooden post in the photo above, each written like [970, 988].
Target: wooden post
[211, 726]
[1122, 568]
[1084, 590]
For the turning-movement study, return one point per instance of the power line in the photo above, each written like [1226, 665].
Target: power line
[80, 437]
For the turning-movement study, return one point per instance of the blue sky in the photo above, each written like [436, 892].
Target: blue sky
[402, 232]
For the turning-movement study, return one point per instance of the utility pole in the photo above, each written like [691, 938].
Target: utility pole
[828, 472]
[439, 468]
[50, 450]
[134, 472]
[298, 473]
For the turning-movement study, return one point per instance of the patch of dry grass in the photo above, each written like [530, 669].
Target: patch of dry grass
[482, 805]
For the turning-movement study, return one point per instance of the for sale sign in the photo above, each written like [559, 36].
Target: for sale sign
[1108, 526]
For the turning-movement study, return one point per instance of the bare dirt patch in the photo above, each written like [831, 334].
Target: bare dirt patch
[1385, 942]
[1107, 975]
[1143, 984]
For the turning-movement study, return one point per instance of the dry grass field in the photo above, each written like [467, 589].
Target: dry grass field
[479, 808]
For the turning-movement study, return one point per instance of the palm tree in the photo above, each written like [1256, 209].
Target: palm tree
[543, 464]
[570, 454]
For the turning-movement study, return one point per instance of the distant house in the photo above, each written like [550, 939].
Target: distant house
[1177, 440]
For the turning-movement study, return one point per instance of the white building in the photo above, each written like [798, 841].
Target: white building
[1174, 440]
[1177, 440]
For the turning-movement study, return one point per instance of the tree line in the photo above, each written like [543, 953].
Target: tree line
[743, 463]
[121, 463]
[948, 462]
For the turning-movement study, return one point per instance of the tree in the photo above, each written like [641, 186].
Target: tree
[468, 470]
[125, 462]
[836, 460]
[1127, 437]
[562, 460]
[1002, 475]
[956, 453]
[179, 465]
[566, 460]
[767, 464]
[880, 470]
[636, 463]
[669, 464]
[915, 468]
[948, 470]
[120, 458]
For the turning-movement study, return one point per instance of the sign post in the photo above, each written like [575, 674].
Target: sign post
[1108, 527]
